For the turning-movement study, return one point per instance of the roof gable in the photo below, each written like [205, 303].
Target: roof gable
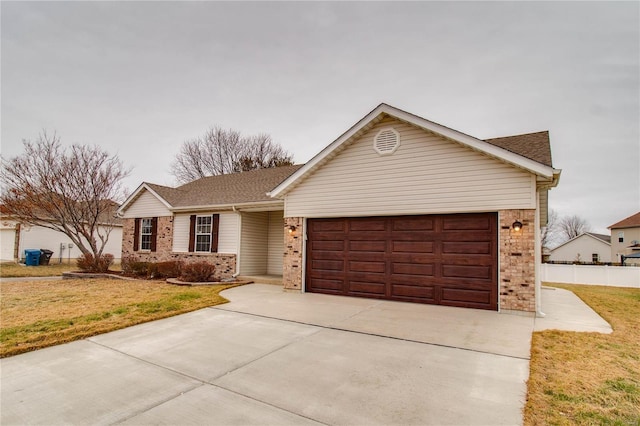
[153, 189]
[493, 147]
[632, 221]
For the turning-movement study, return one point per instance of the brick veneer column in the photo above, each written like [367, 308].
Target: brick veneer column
[127, 236]
[292, 262]
[517, 261]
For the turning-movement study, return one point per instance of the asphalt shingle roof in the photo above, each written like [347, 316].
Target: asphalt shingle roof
[534, 146]
[629, 222]
[602, 237]
[236, 188]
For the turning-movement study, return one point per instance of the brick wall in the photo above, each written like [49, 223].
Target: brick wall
[517, 261]
[225, 263]
[292, 262]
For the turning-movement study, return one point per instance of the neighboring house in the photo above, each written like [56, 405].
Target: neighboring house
[397, 208]
[586, 247]
[625, 239]
[16, 237]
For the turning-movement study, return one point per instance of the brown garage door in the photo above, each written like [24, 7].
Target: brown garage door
[439, 259]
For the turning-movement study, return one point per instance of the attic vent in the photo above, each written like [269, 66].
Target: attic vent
[386, 141]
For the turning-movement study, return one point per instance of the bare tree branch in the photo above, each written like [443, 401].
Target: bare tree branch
[572, 226]
[221, 151]
[549, 234]
[73, 191]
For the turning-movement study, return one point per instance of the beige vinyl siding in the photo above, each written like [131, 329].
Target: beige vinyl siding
[181, 233]
[276, 243]
[227, 237]
[544, 207]
[146, 205]
[254, 242]
[427, 174]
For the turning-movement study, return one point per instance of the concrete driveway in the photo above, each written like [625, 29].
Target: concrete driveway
[270, 357]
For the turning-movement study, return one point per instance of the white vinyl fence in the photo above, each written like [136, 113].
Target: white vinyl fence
[615, 276]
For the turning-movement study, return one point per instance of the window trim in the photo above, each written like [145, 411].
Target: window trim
[198, 234]
[137, 234]
[146, 224]
[215, 231]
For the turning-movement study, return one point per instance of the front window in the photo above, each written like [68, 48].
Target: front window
[595, 258]
[621, 237]
[145, 234]
[203, 233]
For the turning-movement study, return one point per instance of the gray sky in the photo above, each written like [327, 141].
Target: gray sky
[139, 78]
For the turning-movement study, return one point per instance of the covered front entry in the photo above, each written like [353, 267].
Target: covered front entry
[437, 259]
[261, 243]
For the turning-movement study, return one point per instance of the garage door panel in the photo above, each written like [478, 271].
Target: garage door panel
[377, 267]
[415, 223]
[465, 295]
[368, 246]
[466, 271]
[441, 259]
[329, 285]
[413, 269]
[466, 247]
[328, 245]
[467, 222]
[326, 225]
[367, 287]
[408, 292]
[367, 225]
[412, 246]
[327, 265]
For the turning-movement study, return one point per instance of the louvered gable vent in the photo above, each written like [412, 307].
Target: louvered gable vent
[386, 141]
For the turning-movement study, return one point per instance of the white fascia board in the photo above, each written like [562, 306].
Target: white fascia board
[473, 143]
[230, 207]
[134, 195]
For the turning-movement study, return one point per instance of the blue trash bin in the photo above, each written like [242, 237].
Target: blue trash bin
[32, 257]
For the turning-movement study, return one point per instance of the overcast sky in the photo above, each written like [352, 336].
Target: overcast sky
[139, 78]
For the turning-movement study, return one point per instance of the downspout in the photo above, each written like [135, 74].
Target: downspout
[239, 242]
[538, 258]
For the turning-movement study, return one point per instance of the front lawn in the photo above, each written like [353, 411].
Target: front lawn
[12, 269]
[37, 314]
[589, 378]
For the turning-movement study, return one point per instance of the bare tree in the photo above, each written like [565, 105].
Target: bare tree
[549, 234]
[221, 151]
[260, 152]
[70, 190]
[571, 226]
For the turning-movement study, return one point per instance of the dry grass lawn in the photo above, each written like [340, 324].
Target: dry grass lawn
[589, 378]
[37, 314]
